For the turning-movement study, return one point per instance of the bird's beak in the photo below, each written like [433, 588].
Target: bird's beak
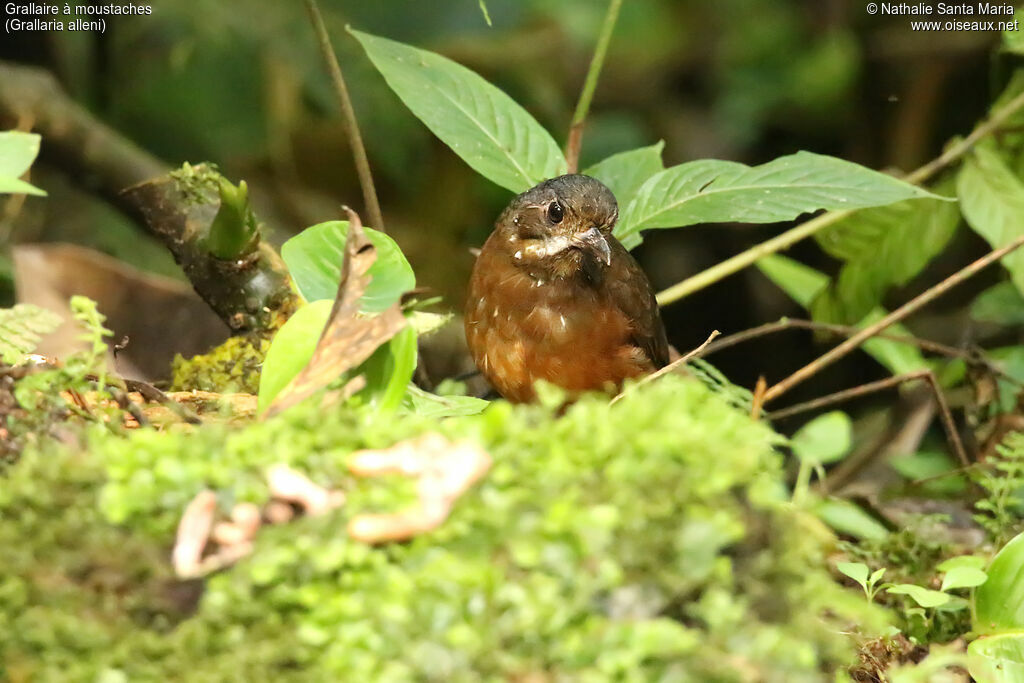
[593, 242]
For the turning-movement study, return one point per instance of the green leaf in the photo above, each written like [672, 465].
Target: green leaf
[882, 247]
[17, 152]
[876, 576]
[292, 348]
[825, 439]
[963, 577]
[960, 561]
[625, 172]
[433, 406]
[314, 258]
[711, 191]
[483, 125]
[803, 283]
[938, 467]
[997, 658]
[925, 597]
[999, 602]
[857, 571]
[992, 200]
[1001, 304]
[847, 518]
[21, 328]
[1013, 40]
[387, 371]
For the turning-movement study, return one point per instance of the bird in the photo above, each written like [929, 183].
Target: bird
[554, 296]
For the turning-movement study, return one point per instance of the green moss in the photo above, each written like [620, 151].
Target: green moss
[234, 366]
[638, 541]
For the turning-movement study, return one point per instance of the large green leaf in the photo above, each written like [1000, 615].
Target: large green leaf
[483, 125]
[314, 258]
[803, 283]
[992, 200]
[710, 191]
[1001, 304]
[882, 247]
[21, 328]
[999, 602]
[17, 152]
[625, 172]
[997, 659]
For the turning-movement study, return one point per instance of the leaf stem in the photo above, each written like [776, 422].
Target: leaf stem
[572, 149]
[708, 277]
[351, 124]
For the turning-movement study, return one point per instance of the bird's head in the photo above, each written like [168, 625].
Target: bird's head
[561, 227]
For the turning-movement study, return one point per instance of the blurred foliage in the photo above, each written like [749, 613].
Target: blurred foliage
[614, 541]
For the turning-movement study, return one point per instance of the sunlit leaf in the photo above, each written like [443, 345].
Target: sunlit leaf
[825, 439]
[625, 172]
[711, 191]
[847, 518]
[997, 658]
[857, 571]
[17, 152]
[963, 577]
[483, 125]
[21, 328]
[992, 200]
[292, 348]
[314, 259]
[433, 406]
[999, 602]
[925, 597]
[970, 561]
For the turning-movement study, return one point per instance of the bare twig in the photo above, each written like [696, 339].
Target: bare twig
[871, 387]
[671, 367]
[351, 124]
[787, 239]
[572, 148]
[896, 316]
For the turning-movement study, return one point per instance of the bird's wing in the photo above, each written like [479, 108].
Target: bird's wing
[632, 293]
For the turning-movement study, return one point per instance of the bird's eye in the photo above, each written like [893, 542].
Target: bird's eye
[555, 212]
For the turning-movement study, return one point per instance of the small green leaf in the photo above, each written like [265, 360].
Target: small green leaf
[17, 152]
[999, 602]
[1001, 304]
[857, 571]
[625, 172]
[711, 191]
[292, 348]
[825, 439]
[847, 518]
[314, 258]
[997, 658]
[925, 597]
[483, 125]
[969, 561]
[876, 576]
[992, 201]
[21, 328]
[963, 577]
[433, 406]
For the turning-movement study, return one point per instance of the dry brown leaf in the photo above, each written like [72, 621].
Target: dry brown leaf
[349, 337]
[444, 471]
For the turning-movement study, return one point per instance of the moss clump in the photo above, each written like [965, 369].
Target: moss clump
[232, 367]
[640, 541]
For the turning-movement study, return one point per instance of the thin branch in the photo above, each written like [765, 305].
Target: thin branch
[787, 239]
[927, 345]
[871, 387]
[896, 316]
[572, 149]
[671, 367]
[351, 124]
